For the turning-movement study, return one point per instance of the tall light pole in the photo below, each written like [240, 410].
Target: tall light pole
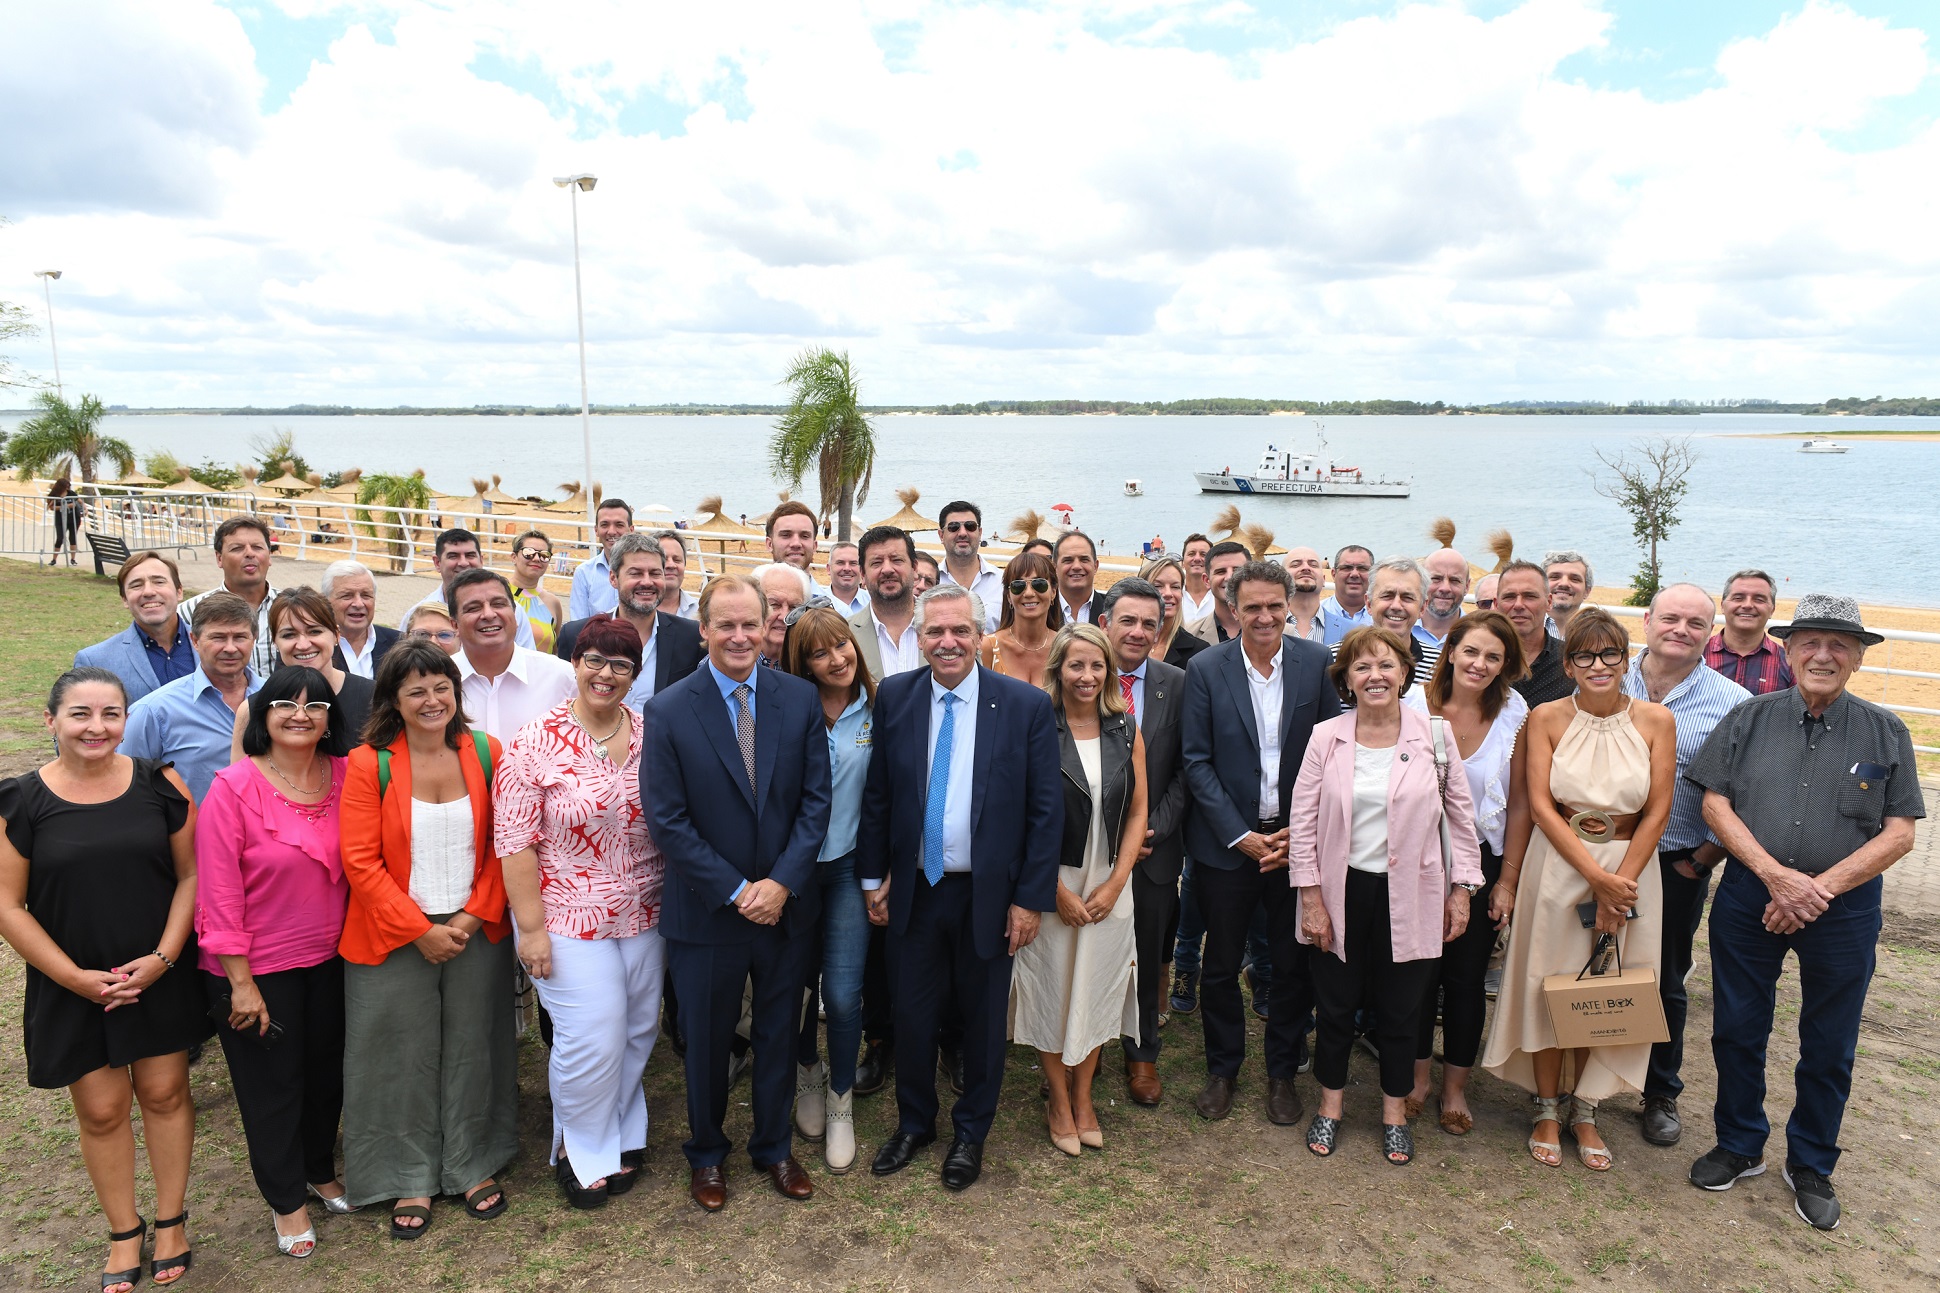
[44, 275]
[574, 184]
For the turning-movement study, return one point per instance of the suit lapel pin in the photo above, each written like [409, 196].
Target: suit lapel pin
[1404, 758]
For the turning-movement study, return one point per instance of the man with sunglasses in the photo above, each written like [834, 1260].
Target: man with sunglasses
[670, 646]
[961, 525]
[1485, 592]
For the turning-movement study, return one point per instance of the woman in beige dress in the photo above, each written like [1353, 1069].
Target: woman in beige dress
[1075, 986]
[1021, 646]
[1598, 762]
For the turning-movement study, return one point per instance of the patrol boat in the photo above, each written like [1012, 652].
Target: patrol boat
[1283, 471]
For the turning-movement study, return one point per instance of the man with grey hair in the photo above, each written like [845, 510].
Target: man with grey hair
[1568, 574]
[1395, 599]
[351, 590]
[1813, 792]
[674, 597]
[1671, 672]
[786, 587]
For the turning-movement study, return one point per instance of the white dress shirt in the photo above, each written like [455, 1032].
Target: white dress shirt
[361, 662]
[532, 686]
[899, 655]
[963, 754]
[1196, 608]
[989, 588]
[1080, 614]
[1268, 691]
[522, 636]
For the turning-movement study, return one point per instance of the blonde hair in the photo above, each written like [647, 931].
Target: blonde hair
[429, 608]
[1110, 700]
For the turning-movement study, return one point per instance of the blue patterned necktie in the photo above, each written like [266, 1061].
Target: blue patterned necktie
[939, 792]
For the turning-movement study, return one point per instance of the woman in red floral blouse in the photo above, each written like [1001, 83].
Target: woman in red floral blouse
[583, 880]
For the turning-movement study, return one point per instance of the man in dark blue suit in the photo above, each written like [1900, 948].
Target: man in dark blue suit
[737, 781]
[958, 846]
[1251, 703]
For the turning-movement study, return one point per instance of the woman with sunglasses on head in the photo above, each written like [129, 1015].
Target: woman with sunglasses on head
[531, 559]
[1601, 767]
[583, 879]
[430, 1050]
[822, 648]
[433, 623]
[269, 913]
[303, 628]
[1021, 646]
[1168, 575]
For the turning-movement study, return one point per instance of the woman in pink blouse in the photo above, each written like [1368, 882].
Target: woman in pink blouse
[583, 881]
[269, 911]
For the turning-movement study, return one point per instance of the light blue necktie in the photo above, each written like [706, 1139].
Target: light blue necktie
[939, 792]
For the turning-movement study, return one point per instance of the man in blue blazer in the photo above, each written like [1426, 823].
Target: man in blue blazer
[736, 776]
[958, 846]
[1251, 703]
[155, 647]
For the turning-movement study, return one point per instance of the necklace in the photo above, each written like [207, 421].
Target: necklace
[296, 789]
[1041, 644]
[599, 742]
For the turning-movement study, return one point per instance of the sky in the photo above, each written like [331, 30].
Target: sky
[351, 201]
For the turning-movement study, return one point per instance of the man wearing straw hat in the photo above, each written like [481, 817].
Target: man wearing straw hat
[1813, 793]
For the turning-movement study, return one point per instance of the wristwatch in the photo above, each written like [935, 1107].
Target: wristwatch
[1470, 889]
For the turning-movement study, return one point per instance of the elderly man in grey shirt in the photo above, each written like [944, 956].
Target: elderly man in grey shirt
[1813, 792]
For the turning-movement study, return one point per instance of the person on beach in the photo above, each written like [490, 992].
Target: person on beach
[97, 896]
[1743, 650]
[1033, 614]
[155, 647]
[67, 507]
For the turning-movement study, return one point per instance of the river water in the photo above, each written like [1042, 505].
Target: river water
[1863, 523]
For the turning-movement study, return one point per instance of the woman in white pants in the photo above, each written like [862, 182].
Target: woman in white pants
[583, 881]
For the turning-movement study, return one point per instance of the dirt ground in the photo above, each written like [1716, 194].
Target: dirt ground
[1171, 1203]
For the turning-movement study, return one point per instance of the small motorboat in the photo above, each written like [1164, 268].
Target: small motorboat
[1134, 488]
[1822, 444]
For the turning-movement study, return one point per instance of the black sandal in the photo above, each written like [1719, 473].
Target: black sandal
[133, 1277]
[417, 1210]
[1397, 1140]
[631, 1161]
[485, 1191]
[1325, 1132]
[580, 1196]
[173, 1267]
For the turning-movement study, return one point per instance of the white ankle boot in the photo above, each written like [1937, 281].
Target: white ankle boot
[811, 1091]
[838, 1150]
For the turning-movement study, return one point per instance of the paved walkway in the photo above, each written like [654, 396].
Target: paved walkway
[1913, 883]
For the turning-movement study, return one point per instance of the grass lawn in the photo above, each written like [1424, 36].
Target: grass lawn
[50, 612]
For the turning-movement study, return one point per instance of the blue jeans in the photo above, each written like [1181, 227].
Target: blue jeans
[1836, 954]
[844, 945]
[1192, 934]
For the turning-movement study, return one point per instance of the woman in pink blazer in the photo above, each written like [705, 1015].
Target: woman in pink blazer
[1376, 899]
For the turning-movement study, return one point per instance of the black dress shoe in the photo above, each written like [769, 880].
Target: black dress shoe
[962, 1165]
[896, 1152]
[951, 1063]
[1283, 1108]
[1661, 1126]
[873, 1069]
[1215, 1100]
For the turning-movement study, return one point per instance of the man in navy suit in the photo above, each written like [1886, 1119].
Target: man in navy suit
[1251, 704]
[155, 647]
[361, 641]
[736, 778]
[958, 846]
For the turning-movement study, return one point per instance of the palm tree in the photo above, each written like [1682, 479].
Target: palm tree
[63, 438]
[386, 490]
[824, 427]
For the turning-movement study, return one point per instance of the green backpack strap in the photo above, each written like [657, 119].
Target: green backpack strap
[383, 773]
[483, 744]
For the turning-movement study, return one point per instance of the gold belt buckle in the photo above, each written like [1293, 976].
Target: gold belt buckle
[1593, 826]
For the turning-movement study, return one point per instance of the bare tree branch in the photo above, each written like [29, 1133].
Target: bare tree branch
[1649, 482]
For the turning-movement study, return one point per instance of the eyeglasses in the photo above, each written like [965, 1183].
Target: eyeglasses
[1609, 655]
[288, 708]
[596, 663]
[533, 554]
[962, 527]
[1484, 603]
[1037, 585]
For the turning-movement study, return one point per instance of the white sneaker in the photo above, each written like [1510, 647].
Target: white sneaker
[811, 1092]
[838, 1150]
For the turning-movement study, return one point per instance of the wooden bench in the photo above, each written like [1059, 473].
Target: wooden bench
[108, 549]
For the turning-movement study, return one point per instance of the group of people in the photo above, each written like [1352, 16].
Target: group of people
[914, 815]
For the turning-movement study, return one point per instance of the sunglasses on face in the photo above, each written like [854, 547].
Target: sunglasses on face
[1037, 585]
[1609, 655]
[533, 554]
[962, 527]
[288, 708]
[1484, 603]
[595, 663]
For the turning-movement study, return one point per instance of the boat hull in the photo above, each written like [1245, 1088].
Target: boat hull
[1213, 482]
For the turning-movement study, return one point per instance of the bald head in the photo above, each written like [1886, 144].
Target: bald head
[1447, 587]
[1678, 625]
[1308, 573]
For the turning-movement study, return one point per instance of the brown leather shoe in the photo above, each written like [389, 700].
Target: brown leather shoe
[708, 1187]
[1143, 1080]
[1283, 1107]
[1216, 1100]
[791, 1182]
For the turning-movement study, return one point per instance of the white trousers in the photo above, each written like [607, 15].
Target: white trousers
[604, 999]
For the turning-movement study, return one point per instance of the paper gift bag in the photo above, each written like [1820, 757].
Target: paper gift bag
[1617, 1008]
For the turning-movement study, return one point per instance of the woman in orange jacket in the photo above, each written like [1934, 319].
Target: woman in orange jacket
[430, 1055]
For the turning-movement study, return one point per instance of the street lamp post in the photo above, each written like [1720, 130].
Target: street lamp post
[44, 275]
[574, 184]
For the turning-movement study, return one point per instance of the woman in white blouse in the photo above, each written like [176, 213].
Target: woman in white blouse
[430, 1052]
[1471, 692]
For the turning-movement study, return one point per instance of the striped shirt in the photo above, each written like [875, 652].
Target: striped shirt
[1429, 650]
[1764, 671]
[1698, 703]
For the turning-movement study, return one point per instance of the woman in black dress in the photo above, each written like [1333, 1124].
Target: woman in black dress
[97, 894]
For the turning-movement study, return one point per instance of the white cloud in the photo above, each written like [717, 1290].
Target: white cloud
[1005, 203]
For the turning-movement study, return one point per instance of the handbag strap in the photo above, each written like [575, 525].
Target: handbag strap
[1438, 729]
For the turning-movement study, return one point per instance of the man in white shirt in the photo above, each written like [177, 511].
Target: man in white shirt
[845, 579]
[1076, 558]
[885, 629]
[506, 685]
[592, 582]
[1222, 625]
[1196, 603]
[1303, 607]
[454, 552]
[352, 593]
[961, 525]
[674, 597]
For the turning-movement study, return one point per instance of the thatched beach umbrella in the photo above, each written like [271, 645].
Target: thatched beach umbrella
[135, 480]
[1225, 522]
[494, 495]
[909, 518]
[1504, 548]
[1259, 541]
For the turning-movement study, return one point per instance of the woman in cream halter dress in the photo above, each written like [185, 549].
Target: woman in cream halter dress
[1604, 763]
